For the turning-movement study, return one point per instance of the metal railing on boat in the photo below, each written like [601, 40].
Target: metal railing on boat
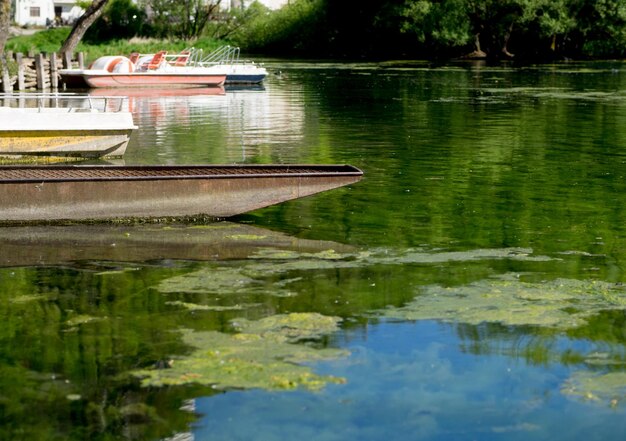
[71, 101]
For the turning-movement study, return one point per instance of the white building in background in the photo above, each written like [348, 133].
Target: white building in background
[46, 12]
[271, 4]
[274, 4]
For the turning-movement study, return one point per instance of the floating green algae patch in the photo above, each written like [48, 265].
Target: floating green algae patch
[280, 261]
[265, 355]
[222, 281]
[199, 307]
[81, 320]
[251, 277]
[604, 388]
[554, 93]
[27, 298]
[246, 237]
[290, 327]
[401, 256]
[256, 274]
[274, 254]
[562, 303]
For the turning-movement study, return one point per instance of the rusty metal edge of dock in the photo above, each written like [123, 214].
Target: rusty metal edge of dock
[165, 172]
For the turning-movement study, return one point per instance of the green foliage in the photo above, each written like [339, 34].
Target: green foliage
[291, 29]
[367, 28]
[236, 21]
[445, 23]
[49, 40]
[602, 28]
[435, 28]
[185, 19]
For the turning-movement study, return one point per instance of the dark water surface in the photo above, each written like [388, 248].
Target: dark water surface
[471, 286]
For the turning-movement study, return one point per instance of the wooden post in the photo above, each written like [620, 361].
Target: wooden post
[67, 60]
[54, 74]
[20, 71]
[81, 60]
[40, 71]
[6, 80]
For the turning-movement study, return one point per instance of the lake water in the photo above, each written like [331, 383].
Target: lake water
[470, 286]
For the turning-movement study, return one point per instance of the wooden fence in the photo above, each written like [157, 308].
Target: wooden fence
[35, 71]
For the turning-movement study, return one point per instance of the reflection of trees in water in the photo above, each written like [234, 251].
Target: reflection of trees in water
[541, 346]
[595, 353]
[74, 327]
[63, 351]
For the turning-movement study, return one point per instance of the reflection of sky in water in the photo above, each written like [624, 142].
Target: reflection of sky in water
[410, 381]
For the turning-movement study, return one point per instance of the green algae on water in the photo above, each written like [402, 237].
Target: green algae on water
[274, 254]
[116, 272]
[246, 237]
[27, 298]
[81, 320]
[600, 388]
[291, 328]
[562, 303]
[219, 280]
[257, 274]
[199, 307]
[263, 356]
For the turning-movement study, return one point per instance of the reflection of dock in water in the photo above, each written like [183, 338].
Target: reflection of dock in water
[57, 245]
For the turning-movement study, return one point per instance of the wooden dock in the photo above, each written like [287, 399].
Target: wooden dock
[95, 192]
[35, 71]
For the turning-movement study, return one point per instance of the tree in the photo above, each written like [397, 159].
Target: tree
[489, 25]
[439, 24]
[184, 18]
[121, 19]
[196, 14]
[5, 19]
[601, 28]
[237, 22]
[546, 21]
[82, 24]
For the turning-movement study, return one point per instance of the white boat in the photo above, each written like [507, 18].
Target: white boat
[148, 71]
[227, 58]
[184, 69]
[45, 126]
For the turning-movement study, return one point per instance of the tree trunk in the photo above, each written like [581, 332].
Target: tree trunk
[82, 24]
[505, 46]
[5, 20]
[478, 52]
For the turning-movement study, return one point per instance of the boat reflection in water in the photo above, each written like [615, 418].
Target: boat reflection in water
[45, 245]
[235, 123]
[156, 92]
[137, 95]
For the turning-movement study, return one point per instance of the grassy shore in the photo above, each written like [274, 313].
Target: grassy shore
[50, 40]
